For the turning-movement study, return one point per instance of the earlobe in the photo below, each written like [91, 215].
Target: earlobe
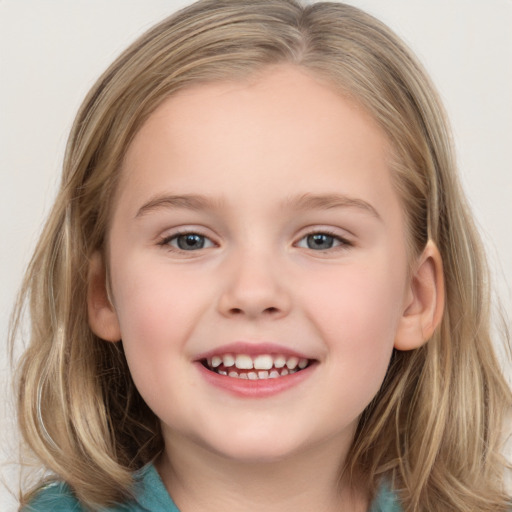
[101, 312]
[423, 309]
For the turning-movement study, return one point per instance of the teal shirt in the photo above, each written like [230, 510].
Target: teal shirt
[152, 496]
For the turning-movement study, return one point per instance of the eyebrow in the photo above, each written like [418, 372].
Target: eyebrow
[329, 201]
[188, 202]
[302, 202]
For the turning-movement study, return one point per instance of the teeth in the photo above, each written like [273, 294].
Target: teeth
[279, 362]
[260, 375]
[263, 362]
[266, 365]
[228, 360]
[243, 362]
[292, 362]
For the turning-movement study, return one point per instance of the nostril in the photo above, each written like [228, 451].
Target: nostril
[238, 311]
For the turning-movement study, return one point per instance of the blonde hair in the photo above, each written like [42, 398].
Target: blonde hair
[434, 428]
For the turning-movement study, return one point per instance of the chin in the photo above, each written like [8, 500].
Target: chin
[256, 447]
[255, 455]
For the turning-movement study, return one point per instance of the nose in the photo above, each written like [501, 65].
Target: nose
[253, 287]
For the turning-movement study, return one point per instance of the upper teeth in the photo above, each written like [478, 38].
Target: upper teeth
[259, 362]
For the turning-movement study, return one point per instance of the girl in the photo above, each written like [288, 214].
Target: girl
[260, 286]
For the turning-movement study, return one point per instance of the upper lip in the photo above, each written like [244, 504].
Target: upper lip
[252, 349]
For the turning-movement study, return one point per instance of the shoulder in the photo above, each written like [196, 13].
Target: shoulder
[59, 497]
[53, 497]
[151, 495]
[386, 501]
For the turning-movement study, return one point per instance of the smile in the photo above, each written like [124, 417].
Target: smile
[255, 370]
[259, 367]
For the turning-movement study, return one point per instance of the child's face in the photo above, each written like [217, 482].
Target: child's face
[258, 219]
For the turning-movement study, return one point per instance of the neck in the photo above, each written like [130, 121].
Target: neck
[200, 480]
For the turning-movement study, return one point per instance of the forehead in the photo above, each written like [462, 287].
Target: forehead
[282, 127]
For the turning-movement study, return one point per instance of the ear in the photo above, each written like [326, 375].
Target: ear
[424, 305]
[102, 314]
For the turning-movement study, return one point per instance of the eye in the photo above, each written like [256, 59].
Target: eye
[188, 241]
[321, 241]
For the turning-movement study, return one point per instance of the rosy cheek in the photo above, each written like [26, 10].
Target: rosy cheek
[360, 308]
[153, 303]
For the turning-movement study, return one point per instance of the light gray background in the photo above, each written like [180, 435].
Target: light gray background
[51, 51]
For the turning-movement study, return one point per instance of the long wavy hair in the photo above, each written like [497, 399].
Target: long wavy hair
[434, 430]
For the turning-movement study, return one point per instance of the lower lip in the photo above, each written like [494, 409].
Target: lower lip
[259, 388]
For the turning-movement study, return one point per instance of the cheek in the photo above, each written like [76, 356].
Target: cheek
[362, 298]
[155, 311]
[357, 314]
[154, 300]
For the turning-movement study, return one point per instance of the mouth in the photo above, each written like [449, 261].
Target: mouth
[257, 367]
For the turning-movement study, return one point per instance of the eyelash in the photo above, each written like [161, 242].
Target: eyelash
[342, 243]
[166, 241]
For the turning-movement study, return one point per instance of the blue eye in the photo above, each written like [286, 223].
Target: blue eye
[321, 241]
[188, 242]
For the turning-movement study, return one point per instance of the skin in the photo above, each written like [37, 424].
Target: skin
[255, 150]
